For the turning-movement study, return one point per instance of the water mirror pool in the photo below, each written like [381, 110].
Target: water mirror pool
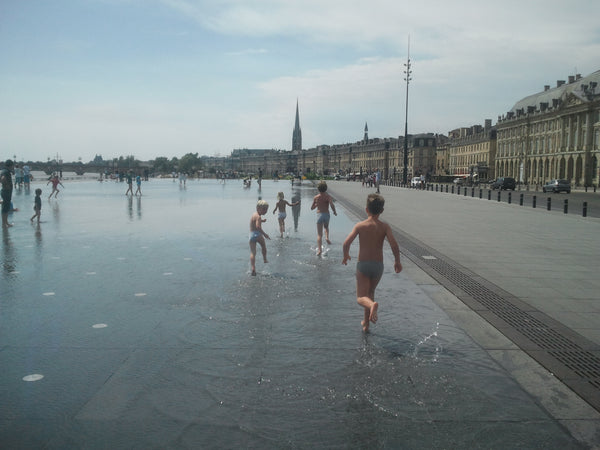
[143, 321]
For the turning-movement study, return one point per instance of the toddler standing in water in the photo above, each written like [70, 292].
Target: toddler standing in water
[280, 205]
[37, 205]
[257, 234]
[371, 233]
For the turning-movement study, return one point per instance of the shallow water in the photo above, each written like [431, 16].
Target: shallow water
[143, 319]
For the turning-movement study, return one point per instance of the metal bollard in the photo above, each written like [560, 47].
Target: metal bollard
[549, 204]
[452, 189]
[480, 193]
[510, 197]
[534, 200]
[457, 190]
[584, 209]
[520, 199]
[472, 192]
[499, 194]
[446, 189]
[465, 192]
[489, 194]
[566, 206]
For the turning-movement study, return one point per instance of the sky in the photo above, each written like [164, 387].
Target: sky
[152, 78]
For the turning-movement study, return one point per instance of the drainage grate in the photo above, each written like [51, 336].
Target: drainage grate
[571, 357]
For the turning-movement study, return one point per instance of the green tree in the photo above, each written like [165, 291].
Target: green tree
[162, 165]
[190, 163]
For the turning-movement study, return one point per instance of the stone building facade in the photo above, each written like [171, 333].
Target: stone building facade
[471, 151]
[553, 134]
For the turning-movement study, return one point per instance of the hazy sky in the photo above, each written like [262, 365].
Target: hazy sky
[167, 77]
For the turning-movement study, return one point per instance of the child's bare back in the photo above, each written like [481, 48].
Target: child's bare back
[371, 233]
[321, 202]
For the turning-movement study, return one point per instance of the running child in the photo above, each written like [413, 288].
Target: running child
[371, 233]
[257, 234]
[55, 182]
[322, 202]
[37, 205]
[280, 205]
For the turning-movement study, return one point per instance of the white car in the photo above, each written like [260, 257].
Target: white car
[415, 182]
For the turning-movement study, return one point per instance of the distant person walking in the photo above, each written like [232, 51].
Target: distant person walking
[371, 233]
[55, 182]
[280, 206]
[26, 175]
[138, 182]
[37, 205]
[257, 234]
[322, 202]
[377, 179]
[129, 179]
[6, 191]
[18, 176]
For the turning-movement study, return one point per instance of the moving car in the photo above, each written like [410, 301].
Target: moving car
[557, 186]
[415, 182]
[504, 183]
[459, 181]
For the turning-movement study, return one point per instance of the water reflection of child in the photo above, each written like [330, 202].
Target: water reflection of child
[257, 234]
[280, 205]
[37, 205]
[322, 202]
[371, 233]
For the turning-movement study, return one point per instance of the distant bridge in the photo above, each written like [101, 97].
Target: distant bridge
[79, 168]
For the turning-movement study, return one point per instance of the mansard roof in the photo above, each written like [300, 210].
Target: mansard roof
[586, 89]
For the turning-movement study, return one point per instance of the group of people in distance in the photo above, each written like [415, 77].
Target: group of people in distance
[7, 187]
[371, 233]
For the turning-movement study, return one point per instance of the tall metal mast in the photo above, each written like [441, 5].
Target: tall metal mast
[407, 78]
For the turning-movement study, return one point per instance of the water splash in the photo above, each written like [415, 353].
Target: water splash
[428, 341]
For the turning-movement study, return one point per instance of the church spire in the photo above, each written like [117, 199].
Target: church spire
[366, 138]
[297, 135]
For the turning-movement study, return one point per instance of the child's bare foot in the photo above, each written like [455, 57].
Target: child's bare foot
[265, 259]
[328, 241]
[373, 315]
[253, 273]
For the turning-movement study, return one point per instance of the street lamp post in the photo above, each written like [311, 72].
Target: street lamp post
[407, 79]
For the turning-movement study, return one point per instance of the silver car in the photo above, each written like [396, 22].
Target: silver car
[557, 186]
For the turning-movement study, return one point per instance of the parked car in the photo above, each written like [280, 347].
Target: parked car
[459, 181]
[415, 182]
[557, 186]
[504, 183]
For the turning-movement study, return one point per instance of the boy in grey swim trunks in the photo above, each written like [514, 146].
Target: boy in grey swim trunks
[322, 202]
[369, 268]
[257, 234]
